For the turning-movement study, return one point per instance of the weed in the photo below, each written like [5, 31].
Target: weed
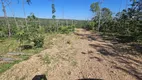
[48, 41]
[33, 51]
[6, 66]
[8, 45]
[23, 78]
[24, 57]
[73, 63]
[47, 59]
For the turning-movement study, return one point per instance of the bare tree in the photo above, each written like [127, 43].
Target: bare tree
[100, 15]
[23, 5]
[4, 3]
[14, 17]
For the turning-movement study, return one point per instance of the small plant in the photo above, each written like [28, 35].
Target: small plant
[90, 25]
[33, 35]
[66, 29]
[73, 63]
[24, 57]
[6, 66]
[38, 42]
[47, 59]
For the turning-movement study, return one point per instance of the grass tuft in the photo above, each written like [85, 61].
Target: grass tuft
[47, 59]
[6, 66]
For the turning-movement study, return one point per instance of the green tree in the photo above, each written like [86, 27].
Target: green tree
[32, 17]
[53, 11]
[94, 7]
[4, 3]
[106, 14]
[103, 14]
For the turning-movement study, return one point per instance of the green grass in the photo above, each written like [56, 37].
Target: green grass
[8, 45]
[73, 63]
[47, 59]
[32, 51]
[11, 45]
[24, 57]
[48, 41]
[6, 66]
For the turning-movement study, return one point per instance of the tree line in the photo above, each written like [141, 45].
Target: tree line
[125, 24]
[31, 29]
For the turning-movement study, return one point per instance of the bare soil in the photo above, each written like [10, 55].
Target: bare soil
[82, 55]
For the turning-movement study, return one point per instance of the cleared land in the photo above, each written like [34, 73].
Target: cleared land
[80, 55]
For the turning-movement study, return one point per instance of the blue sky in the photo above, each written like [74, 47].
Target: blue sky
[73, 9]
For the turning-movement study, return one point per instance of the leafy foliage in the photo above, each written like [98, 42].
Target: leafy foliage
[53, 11]
[66, 29]
[33, 35]
[126, 25]
[90, 25]
[95, 7]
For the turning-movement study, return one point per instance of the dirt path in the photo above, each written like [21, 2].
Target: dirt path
[78, 56]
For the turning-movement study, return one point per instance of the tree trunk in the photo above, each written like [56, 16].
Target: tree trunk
[99, 20]
[14, 18]
[25, 15]
[100, 15]
[6, 18]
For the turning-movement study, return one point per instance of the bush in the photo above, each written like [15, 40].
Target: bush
[38, 42]
[66, 29]
[90, 26]
[33, 35]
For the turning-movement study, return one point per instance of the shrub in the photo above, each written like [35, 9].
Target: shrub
[33, 35]
[66, 29]
[90, 25]
[38, 42]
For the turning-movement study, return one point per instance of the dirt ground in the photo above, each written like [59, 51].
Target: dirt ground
[79, 56]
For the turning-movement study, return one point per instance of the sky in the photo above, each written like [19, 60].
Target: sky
[67, 9]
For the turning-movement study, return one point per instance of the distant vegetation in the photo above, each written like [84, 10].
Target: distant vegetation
[30, 31]
[126, 25]
[23, 37]
[32, 37]
[28, 34]
[36, 28]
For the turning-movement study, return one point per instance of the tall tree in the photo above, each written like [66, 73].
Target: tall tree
[106, 14]
[95, 8]
[53, 10]
[4, 3]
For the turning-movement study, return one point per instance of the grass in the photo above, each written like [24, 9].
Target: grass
[32, 51]
[24, 57]
[8, 45]
[73, 63]
[48, 41]
[47, 59]
[11, 45]
[23, 78]
[6, 66]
